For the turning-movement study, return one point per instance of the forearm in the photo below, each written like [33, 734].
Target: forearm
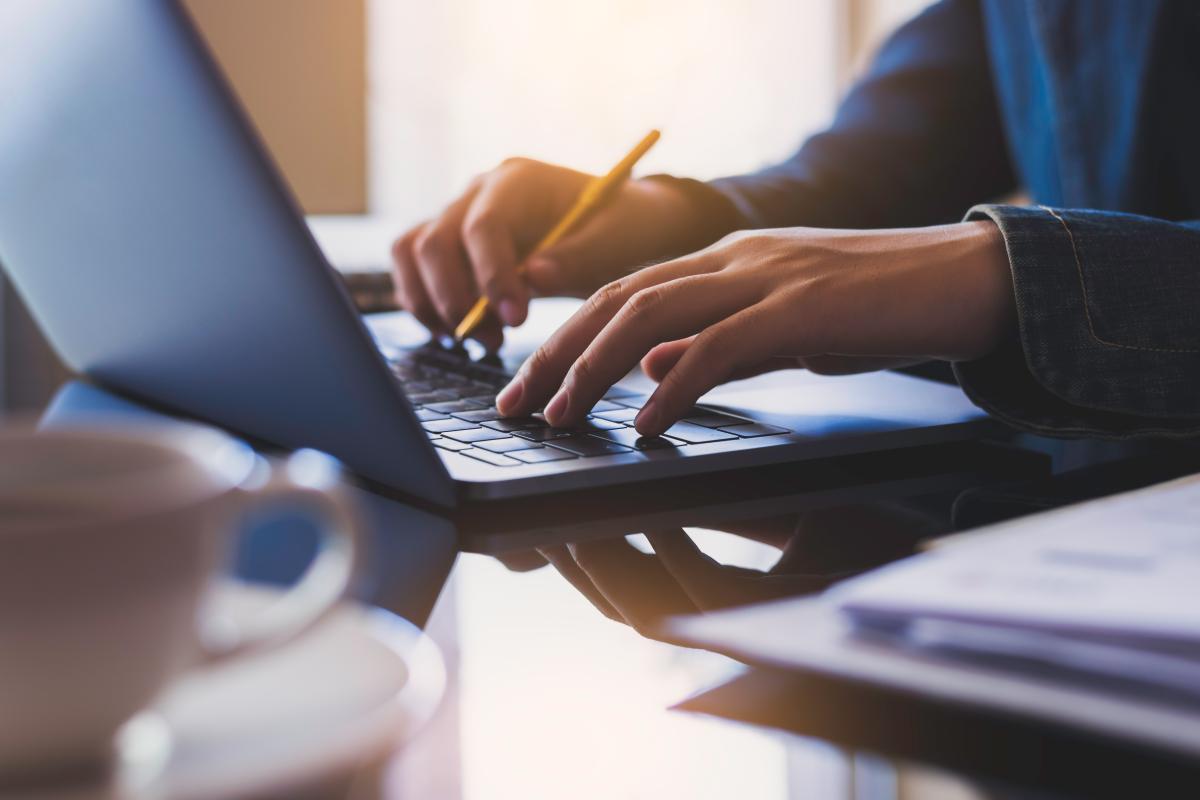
[916, 142]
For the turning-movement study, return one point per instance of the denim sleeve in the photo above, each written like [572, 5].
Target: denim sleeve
[915, 142]
[1108, 310]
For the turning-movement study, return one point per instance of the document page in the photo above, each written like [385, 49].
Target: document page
[1121, 570]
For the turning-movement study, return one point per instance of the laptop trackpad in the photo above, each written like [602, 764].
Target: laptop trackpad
[815, 405]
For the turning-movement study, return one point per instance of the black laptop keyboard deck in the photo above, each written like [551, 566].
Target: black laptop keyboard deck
[455, 399]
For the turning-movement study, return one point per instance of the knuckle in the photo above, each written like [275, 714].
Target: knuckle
[402, 246]
[645, 301]
[431, 246]
[609, 295]
[583, 369]
[734, 238]
[479, 222]
[399, 250]
[714, 344]
[538, 362]
[515, 163]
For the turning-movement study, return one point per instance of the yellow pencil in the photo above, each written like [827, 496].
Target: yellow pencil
[594, 193]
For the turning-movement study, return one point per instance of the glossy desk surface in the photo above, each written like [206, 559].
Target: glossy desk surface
[548, 614]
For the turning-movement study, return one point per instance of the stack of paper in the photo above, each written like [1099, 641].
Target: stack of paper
[1109, 589]
[1089, 616]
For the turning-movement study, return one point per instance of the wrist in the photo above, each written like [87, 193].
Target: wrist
[694, 213]
[993, 301]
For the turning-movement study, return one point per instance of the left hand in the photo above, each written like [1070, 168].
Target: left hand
[830, 301]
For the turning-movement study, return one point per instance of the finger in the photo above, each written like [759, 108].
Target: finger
[658, 362]
[522, 560]
[696, 572]
[710, 584]
[560, 558]
[409, 288]
[543, 372]
[489, 333]
[636, 584]
[662, 358]
[492, 251]
[748, 337]
[666, 311]
[442, 263]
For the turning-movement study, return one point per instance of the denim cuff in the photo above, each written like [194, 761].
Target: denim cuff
[1107, 337]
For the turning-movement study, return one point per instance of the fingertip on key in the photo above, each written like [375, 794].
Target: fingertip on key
[556, 409]
[647, 421]
[510, 397]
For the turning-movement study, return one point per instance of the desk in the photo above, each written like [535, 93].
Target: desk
[560, 683]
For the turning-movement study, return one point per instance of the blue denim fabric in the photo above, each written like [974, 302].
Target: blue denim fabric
[1092, 108]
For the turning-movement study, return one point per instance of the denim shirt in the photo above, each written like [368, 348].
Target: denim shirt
[1091, 108]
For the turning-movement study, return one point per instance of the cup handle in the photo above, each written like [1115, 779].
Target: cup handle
[310, 480]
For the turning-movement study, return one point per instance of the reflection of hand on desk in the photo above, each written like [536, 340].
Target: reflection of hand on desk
[809, 552]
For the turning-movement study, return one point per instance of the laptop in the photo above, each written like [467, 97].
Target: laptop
[147, 229]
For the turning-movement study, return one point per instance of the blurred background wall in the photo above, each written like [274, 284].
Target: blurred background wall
[379, 111]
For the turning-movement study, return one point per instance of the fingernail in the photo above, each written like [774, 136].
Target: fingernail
[510, 313]
[557, 407]
[647, 419]
[510, 395]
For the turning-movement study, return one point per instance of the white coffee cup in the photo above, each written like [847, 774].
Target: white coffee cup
[109, 539]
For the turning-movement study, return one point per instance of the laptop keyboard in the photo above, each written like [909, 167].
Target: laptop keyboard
[455, 400]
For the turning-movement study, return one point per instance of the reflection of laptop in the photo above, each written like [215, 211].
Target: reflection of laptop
[148, 231]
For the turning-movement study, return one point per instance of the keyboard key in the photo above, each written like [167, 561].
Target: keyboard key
[616, 393]
[424, 398]
[448, 424]
[605, 405]
[476, 435]
[541, 455]
[485, 399]
[425, 415]
[508, 445]
[619, 415]
[754, 429]
[633, 400]
[631, 438]
[454, 407]
[713, 419]
[599, 424]
[495, 459]
[513, 423]
[450, 444]
[696, 434]
[480, 415]
[543, 434]
[586, 446]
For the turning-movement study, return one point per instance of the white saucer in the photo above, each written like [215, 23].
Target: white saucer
[315, 718]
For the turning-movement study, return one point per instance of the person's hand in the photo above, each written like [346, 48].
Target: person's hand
[827, 300]
[477, 244]
[643, 590]
[818, 547]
